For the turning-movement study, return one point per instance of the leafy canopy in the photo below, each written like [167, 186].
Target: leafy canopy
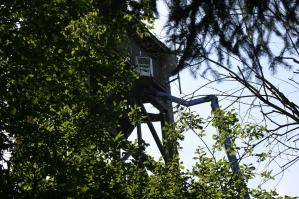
[63, 87]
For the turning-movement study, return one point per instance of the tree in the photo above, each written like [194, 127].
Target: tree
[238, 41]
[58, 144]
[64, 86]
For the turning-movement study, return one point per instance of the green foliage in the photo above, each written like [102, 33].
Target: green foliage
[64, 86]
[211, 176]
[228, 125]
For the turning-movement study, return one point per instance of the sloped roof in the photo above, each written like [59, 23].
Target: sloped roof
[150, 43]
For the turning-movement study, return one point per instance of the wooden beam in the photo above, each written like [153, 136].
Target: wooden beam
[154, 117]
[158, 104]
[154, 134]
[139, 134]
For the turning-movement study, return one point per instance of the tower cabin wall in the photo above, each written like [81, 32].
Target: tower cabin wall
[162, 60]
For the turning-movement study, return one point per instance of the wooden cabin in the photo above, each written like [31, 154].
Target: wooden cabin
[154, 61]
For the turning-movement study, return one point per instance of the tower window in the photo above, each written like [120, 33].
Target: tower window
[145, 66]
